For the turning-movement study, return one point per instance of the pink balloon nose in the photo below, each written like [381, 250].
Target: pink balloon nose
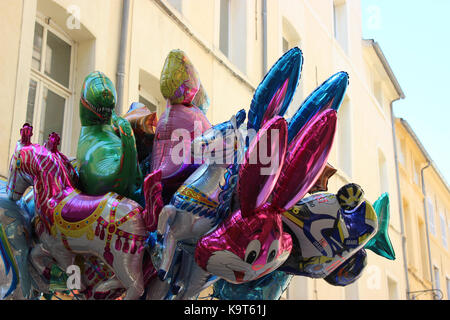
[257, 267]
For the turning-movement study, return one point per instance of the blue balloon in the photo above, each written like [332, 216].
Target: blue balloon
[329, 95]
[268, 287]
[278, 87]
[349, 271]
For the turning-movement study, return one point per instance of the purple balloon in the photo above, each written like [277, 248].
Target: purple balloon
[173, 157]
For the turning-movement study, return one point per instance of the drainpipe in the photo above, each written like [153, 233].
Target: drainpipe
[426, 221]
[120, 76]
[264, 21]
[400, 202]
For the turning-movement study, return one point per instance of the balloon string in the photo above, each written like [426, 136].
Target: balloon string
[95, 269]
[74, 294]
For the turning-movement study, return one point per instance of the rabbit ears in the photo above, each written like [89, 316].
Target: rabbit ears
[275, 92]
[306, 158]
[329, 95]
[289, 171]
[262, 164]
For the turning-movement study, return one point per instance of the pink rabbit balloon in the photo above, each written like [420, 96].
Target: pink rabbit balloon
[251, 242]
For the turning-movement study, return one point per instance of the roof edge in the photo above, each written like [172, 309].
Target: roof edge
[424, 151]
[386, 66]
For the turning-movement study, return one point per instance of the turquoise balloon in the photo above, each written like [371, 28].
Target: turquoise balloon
[381, 243]
[268, 287]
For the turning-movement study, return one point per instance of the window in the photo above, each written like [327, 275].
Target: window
[224, 42]
[340, 23]
[149, 92]
[430, 213]
[437, 281]
[177, 4]
[410, 238]
[447, 280]
[392, 289]
[351, 291]
[286, 45]
[378, 92]
[416, 173]
[233, 32]
[291, 39]
[401, 152]
[344, 129]
[50, 87]
[383, 172]
[443, 230]
[423, 250]
[151, 106]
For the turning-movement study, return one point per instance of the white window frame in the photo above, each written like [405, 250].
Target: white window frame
[383, 172]
[227, 54]
[393, 279]
[337, 30]
[149, 97]
[401, 152]
[437, 280]
[431, 216]
[178, 6]
[43, 80]
[447, 283]
[292, 38]
[415, 169]
[443, 223]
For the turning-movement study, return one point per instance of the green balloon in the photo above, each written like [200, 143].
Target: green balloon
[107, 161]
[58, 279]
[381, 243]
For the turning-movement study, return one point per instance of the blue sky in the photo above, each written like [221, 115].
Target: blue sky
[415, 38]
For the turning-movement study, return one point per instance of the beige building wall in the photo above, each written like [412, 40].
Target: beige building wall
[328, 32]
[363, 151]
[426, 204]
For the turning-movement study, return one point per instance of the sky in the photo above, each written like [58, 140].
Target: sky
[415, 38]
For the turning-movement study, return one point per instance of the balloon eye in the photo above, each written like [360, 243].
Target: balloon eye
[252, 251]
[251, 257]
[271, 256]
[273, 251]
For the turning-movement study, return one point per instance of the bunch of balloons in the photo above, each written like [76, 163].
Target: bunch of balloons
[163, 209]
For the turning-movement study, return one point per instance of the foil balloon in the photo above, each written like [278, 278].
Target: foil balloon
[179, 79]
[107, 162]
[308, 153]
[268, 287]
[275, 92]
[180, 123]
[381, 243]
[68, 222]
[329, 95]
[99, 281]
[143, 122]
[322, 182]
[349, 271]
[201, 100]
[250, 242]
[201, 202]
[15, 241]
[329, 229]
